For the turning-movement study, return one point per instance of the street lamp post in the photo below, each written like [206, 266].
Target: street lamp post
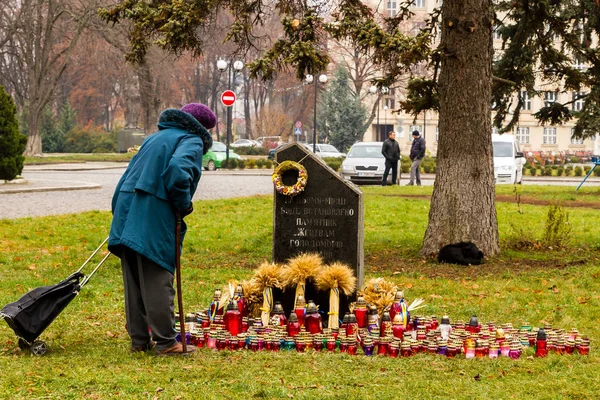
[310, 79]
[383, 90]
[385, 108]
[223, 65]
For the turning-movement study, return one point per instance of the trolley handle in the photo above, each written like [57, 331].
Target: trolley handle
[93, 254]
[88, 277]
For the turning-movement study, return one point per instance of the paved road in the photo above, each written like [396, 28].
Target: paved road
[213, 185]
[101, 179]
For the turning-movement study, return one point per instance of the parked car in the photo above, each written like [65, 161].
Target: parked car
[326, 150]
[508, 159]
[244, 143]
[215, 156]
[270, 142]
[364, 164]
[272, 152]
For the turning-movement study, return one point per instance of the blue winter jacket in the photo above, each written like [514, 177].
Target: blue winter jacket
[159, 180]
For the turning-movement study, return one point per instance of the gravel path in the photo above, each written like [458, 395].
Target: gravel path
[213, 185]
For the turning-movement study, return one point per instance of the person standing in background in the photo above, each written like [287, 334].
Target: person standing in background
[391, 152]
[417, 152]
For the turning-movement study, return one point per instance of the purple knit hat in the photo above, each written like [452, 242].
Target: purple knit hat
[202, 113]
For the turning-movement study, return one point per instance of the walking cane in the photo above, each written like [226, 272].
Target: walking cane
[178, 273]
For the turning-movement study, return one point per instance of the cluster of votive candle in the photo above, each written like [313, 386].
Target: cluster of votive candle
[397, 335]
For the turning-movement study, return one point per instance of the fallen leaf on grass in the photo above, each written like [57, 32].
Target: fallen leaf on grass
[477, 377]
[31, 267]
[553, 288]
[291, 396]
[408, 285]
[582, 300]
[158, 389]
[435, 296]
[111, 335]
[187, 367]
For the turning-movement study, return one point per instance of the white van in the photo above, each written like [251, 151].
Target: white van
[508, 159]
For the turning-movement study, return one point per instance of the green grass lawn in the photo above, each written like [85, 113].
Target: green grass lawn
[89, 348]
[78, 158]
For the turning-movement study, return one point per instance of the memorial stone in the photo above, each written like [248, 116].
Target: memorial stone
[326, 218]
[129, 137]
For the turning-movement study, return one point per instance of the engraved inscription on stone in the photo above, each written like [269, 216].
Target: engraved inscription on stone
[326, 218]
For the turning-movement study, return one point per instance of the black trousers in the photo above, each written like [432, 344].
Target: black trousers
[393, 165]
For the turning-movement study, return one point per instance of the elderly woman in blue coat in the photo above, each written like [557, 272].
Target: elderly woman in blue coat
[160, 181]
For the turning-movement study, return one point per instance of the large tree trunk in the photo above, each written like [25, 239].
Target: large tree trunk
[463, 201]
[34, 138]
[150, 101]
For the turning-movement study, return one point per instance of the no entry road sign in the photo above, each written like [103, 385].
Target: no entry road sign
[228, 98]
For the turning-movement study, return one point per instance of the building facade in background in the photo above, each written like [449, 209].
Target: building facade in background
[533, 138]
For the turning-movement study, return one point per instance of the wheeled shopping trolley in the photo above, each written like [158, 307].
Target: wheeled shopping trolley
[34, 312]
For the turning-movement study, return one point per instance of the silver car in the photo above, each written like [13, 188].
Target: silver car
[365, 164]
[326, 151]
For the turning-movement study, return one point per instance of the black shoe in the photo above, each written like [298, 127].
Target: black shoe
[418, 183]
[410, 184]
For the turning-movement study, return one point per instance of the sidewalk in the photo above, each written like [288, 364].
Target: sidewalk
[21, 185]
[46, 185]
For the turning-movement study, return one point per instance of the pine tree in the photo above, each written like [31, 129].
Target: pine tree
[66, 118]
[53, 138]
[12, 142]
[341, 116]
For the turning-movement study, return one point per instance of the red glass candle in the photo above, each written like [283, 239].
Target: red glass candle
[318, 342]
[300, 309]
[352, 348]
[361, 312]
[394, 350]
[233, 319]
[386, 324]
[221, 343]
[275, 344]
[343, 346]
[541, 349]
[293, 326]
[330, 344]
[434, 323]
[344, 323]
[300, 346]
[473, 326]
[313, 321]
[241, 300]
[384, 346]
[352, 326]
[405, 349]
[583, 346]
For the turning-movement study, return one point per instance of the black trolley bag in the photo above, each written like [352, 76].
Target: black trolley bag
[29, 316]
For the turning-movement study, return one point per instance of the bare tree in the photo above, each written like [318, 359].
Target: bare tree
[43, 35]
